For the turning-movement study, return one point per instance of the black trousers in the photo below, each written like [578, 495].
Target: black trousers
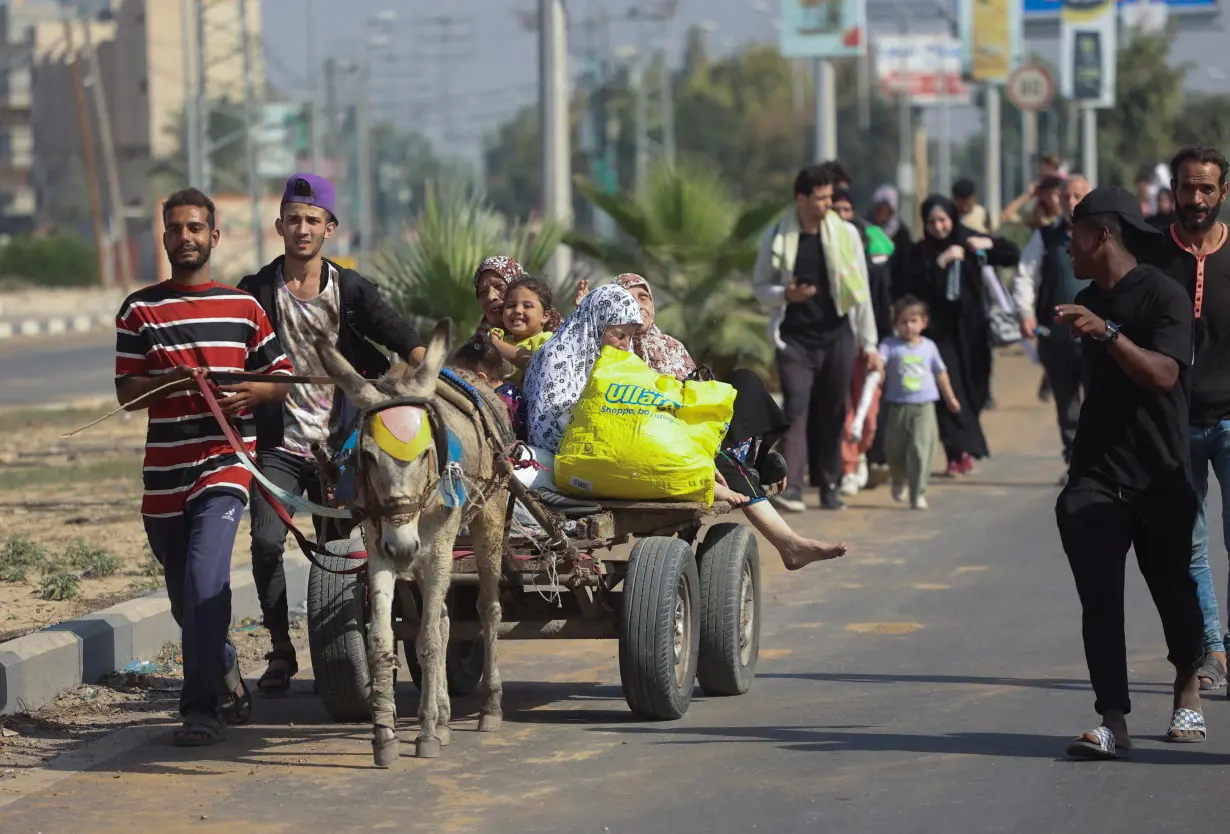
[295, 475]
[1097, 526]
[1065, 370]
[816, 390]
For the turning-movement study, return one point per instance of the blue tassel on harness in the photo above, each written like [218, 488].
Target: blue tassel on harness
[452, 478]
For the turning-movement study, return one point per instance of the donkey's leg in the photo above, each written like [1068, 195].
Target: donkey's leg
[488, 535]
[445, 709]
[435, 575]
[382, 659]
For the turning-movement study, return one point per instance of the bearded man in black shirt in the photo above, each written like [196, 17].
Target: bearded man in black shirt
[1130, 478]
[1194, 253]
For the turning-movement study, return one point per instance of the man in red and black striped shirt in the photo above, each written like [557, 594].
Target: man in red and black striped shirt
[195, 485]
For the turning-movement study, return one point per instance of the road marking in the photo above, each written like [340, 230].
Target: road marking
[970, 569]
[878, 560]
[884, 628]
[39, 779]
[774, 654]
[929, 586]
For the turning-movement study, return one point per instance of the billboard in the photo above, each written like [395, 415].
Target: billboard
[1040, 9]
[823, 28]
[1087, 47]
[926, 68]
[990, 38]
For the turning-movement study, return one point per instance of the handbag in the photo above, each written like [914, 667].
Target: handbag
[1001, 312]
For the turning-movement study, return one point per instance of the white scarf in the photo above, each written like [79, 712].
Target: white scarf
[559, 370]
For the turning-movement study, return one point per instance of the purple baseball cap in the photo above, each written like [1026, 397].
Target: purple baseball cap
[311, 190]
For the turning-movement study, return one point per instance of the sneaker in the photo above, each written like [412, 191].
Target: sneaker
[953, 469]
[919, 503]
[966, 464]
[790, 501]
[849, 484]
[899, 492]
[862, 474]
[829, 500]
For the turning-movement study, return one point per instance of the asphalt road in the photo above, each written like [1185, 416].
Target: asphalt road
[928, 682]
[53, 369]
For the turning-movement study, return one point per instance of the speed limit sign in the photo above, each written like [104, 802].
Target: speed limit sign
[1031, 87]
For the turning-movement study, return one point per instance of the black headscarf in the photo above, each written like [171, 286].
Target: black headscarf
[959, 233]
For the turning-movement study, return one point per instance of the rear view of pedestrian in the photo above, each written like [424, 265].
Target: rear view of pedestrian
[1129, 483]
[915, 378]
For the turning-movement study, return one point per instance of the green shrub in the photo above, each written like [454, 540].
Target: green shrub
[94, 561]
[18, 556]
[59, 585]
[59, 260]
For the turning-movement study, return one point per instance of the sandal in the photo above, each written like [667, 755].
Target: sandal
[198, 730]
[277, 681]
[1102, 749]
[1186, 720]
[235, 707]
[1213, 671]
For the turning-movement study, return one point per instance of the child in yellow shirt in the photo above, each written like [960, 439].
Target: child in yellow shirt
[529, 322]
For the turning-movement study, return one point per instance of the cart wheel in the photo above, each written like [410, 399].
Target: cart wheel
[337, 636]
[463, 666]
[659, 638]
[729, 610]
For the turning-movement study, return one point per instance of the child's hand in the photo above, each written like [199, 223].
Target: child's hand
[953, 404]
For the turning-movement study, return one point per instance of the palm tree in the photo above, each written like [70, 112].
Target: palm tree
[432, 276]
[697, 247]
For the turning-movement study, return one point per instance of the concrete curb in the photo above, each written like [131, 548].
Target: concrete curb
[54, 326]
[34, 669]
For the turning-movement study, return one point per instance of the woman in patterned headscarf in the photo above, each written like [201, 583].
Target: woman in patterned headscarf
[491, 281]
[665, 354]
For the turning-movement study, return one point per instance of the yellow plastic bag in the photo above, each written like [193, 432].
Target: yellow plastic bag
[639, 435]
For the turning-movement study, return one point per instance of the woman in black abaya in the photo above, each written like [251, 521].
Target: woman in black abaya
[946, 271]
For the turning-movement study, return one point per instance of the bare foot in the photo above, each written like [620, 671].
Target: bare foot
[803, 552]
[721, 492]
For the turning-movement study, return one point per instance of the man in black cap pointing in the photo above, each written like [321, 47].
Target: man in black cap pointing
[1129, 483]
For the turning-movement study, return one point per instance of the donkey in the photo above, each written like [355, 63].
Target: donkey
[410, 531]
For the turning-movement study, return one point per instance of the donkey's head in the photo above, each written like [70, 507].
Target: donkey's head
[398, 462]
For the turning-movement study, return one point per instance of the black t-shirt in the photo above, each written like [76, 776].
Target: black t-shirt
[1128, 437]
[813, 323]
[1210, 383]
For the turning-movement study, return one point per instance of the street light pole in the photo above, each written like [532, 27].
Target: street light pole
[553, 81]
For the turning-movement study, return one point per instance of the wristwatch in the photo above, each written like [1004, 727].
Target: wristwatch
[1112, 332]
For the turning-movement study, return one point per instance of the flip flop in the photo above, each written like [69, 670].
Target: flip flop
[1215, 671]
[277, 681]
[1183, 719]
[198, 731]
[1102, 749]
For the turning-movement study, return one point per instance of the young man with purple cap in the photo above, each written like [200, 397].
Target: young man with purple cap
[306, 297]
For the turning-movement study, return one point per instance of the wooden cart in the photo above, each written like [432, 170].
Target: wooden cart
[685, 609]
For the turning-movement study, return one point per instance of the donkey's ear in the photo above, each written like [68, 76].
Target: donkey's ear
[361, 392]
[437, 352]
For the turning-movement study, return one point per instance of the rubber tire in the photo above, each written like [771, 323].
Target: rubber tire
[463, 666]
[657, 567]
[337, 637]
[722, 555]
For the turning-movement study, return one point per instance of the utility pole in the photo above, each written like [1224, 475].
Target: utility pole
[994, 174]
[945, 144]
[364, 154]
[668, 110]
[314, 109]
[826, 110]
[205, 135]
[641, 110]
[556, 156]
[192, 126]
[118, 222]
[1089, 142]
[249, 108]
[106, 266]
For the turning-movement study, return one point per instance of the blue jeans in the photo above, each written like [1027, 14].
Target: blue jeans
[1209, 446]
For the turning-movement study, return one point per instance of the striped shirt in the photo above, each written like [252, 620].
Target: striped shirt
[206, 326]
